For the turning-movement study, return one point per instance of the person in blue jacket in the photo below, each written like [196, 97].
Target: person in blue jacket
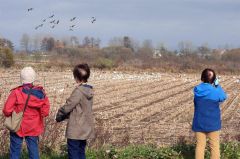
[207, 114]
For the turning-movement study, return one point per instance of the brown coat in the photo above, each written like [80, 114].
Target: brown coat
[78, 108]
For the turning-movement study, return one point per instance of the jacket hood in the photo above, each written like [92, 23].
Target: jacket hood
[87, 90]
[203, 89]
[37, 97]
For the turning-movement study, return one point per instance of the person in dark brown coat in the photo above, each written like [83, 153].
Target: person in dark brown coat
[78, 111]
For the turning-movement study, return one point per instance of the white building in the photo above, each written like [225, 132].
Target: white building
[157, 53]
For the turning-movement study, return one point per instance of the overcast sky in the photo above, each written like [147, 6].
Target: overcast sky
[216, 22]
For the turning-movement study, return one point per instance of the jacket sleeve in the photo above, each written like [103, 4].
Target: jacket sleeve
[61, 115]
[45, 108]
[10, 104]
[222, 96]
[70, 104]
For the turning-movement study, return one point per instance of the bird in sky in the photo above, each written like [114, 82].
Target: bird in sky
[73, 19]
[30, 9]
[57, 22]
[41, 25]
[94, 19]
[52, 21]
[51, 16]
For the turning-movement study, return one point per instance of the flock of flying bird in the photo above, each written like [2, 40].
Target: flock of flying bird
[53, 22]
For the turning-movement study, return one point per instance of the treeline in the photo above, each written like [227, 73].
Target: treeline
[47, 43]
[127, 53]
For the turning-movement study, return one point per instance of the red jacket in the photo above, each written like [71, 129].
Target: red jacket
[37, 108]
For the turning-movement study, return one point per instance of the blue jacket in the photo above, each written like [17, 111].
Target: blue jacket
[207, 113]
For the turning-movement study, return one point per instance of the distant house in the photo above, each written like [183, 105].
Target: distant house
[157, 53]
[179, 53]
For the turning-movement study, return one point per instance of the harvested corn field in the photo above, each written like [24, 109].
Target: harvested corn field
[134, 107]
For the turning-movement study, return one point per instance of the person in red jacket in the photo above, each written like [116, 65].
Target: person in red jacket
[32, 124]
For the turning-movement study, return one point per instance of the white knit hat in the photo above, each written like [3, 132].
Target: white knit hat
[28, 75]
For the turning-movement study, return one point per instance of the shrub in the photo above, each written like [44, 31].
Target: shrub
[103, 63]
[6, 57]
[232, 55]
[119, 54]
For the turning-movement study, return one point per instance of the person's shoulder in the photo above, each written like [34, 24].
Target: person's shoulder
[77, 89]
[38, 87]
[87, 86]
[198, 86]
[203, 87]
[206, 85]
[16, 88]
[82, 86]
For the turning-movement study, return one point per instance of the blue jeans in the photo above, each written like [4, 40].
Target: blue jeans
[76, 149]
[16, 146]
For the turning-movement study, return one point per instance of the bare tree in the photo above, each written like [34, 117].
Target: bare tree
[74, 41]
[48, 44]
[125, 41]
[25, 42]
[36, 42]
[185, 47]
[204, 50]
[147, 44]
[116, 41]
[146, 50]
[97, 42]
[66, 41]
[162, 48]
[92, 41]
[86, 42]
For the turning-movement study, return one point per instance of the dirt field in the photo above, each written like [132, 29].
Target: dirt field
[139, 107]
